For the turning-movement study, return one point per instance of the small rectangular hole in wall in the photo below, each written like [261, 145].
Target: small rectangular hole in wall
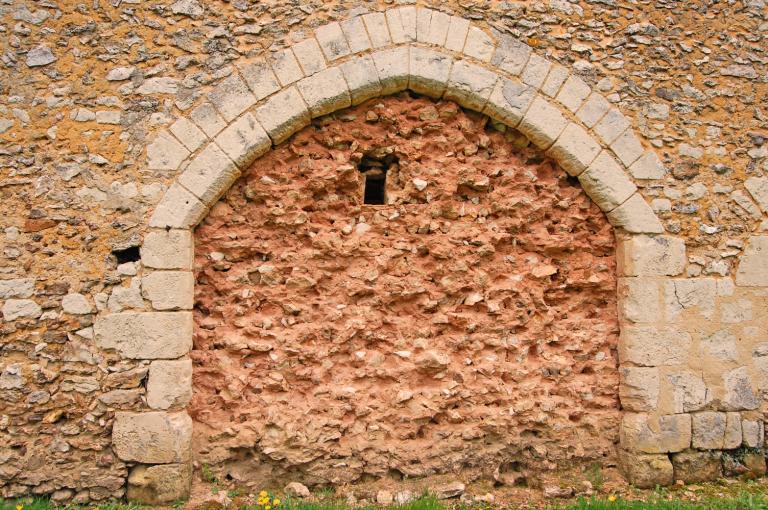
[374, 171]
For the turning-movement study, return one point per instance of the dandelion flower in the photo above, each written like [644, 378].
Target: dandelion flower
[19, 507]
[276, 501]
[611, 498]
[267, 507]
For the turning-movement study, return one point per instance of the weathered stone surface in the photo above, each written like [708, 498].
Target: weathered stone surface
[536, 71]
[651, 256]
[332, 41]
[688, 391]
[646, 471]
[169, 290]
[653, 346]
[296, 490]
[509, 101]
[758, 188]
[457, 33]
[165, 152]
[325, 92]
[376, 25]
[260, 79]
[283, 114]
[648, 434]
[542, 123]
[752, 432]
[169, 384]
[147, 335]
[429, 71]
[76, 304]
[627, 147]
[640, 299]
[739, 394]
[152, 437]
[470, 85]
[593, 109]
[753, 266]
[708, 430]
[356, 35]
[639, 388]
[167, 249]
[402, 24]
[575, 149]
[479, 45]
[210, 174]
[635, 216]
[40, 56]
[573, 93]
[231, 97]
[188, 133]
[362, 79]
[244, 140]
[14, 309]
[309, 56]
[286, 67]
[392, 68]
[511, 55]
[159, 485]
[208, 119]
[696, 467]
[554, 80]
[17, 288]
[611, 126]
[606, 182]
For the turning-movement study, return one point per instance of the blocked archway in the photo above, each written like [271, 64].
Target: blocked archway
[431, 53]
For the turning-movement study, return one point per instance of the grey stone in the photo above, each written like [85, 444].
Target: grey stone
[163, 484]
[76, 304]
[167, 249]
[646, 471]
[283, 114]
[40, 56]
[145, 335]
[210, 174]
[21, 309]
[153, 437]
[739, 394]
[696, 467]
[17, 288]
[649, 434]
[169, 384]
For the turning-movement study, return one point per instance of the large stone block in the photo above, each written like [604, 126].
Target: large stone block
[17, 288]
[376, 24]
[649, 166]
[758, 188]
[332, 41]
[695, 294]
[611, 126]
[439, 25]
[509, 101]
[283, 114]
[739, 393]
[458, 28]
[639, 388]
[167, 249]
[554, 81]
[260, 79]
[145, 335]
[362, 78]
[402, 24]
[429, 71]
[188, 133]
[159, 485]
[165, 152]
[753, 266]
[752, 431]
[231, 97]
[639, 299]
[542, 123]
[636, 216]
[309, 56]
[574, 150]
[650, 256]
[627, 147]
[536, 71]
[244, 140]
[688, 392]
[354, 30]
[286, 67]
[649, 434]
[169, 384]
[210, 174]
[593, 109]
[654, 346]
[325, 92]
[21, 309]
[392, 68]
[606, 182]
[696, 467]
[479, 45]
[708, 430]
[511, 55]
[177, 209]
[169, 290]
[152, 437]
[208, 119]
[573, 93]
[470, 85]
[646, 471]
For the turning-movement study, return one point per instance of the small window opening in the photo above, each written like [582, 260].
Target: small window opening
[374, 171]
[130, 254]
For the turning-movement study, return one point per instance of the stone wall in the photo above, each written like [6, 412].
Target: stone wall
[468, 326]
[107, 112]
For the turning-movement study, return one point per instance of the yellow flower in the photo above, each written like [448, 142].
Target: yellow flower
[276, 502]
[19, 507]
[611, 498]
[263, 494]
[267, 507]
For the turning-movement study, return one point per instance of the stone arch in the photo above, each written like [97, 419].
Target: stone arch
[264, 102]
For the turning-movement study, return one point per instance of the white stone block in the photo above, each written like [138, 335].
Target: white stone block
[286, 67]
[611, 126]
[606, 182]
[14, 309]
[177, 209]
[542, 123]
[283, 114]
[649, 434]
[652, 346]
[325, 92]
[573, 93]
[309, 56]
[650, 256]
[188, 133]
[423, 19]
[145, 335]
[362, 78]
[17, 288]
[165, 152]
[76, 304]
[593, 109]
[167, 249]
[627, 147]
[231, 97]
[649, 166]
[636, 216]
[392, 68]
[470, 85]
[209, 175]
[511, 55]
[354, 30]
[509, 101]
[458, 28]
[555, 79]
[753, 265]
[169, 290]
[438, 29]
[574, 149]
[244, 140]
[260, 79]
[169, 384]
[402, 24]
[429, 71]
[332, 41]
[639, 300]
[639, 388]
[479, 45]
[152, 437]
[208, 119]
[376, 23]
[536, 71]
[758, 188]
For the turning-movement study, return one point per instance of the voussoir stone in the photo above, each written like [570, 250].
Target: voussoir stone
[511, 55]
[145, 335]
[169, 290]
[153, 437]
[209, 174]
[429, 71]
[392, 68]
[167, 249]
[165, 152]
[605, 181]
[362, 79]
[542, 123]
[231, 97]
[169, 384]
[244, 140]
[283, 114]
[635, 216]
[509, 101]
[162, 484]
[470, 85]
[574, 150]
[325, 92]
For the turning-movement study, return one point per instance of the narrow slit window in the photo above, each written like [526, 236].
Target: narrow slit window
[374, 172]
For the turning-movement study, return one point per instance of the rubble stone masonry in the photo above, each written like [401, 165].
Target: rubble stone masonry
[123, 122]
